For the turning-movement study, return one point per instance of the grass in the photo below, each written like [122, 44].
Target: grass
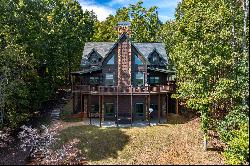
[172, 143]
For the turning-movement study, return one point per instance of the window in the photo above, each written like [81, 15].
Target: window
[94, 60]
[137, 60]
[154, 80]
[109, 109]
[94, 80]
[111, 60]
[139, 109]
[109, 79]
[155, 58]
[94, 111]
[139, 78]
[154, 107]
[171, 78]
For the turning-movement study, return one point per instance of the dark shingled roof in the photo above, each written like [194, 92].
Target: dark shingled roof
[104, 47]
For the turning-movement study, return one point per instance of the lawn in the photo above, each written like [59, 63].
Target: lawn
[178, 142]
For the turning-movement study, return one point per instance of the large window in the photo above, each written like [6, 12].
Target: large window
[154, 80]
[94, 80]
[139, 109]
[109, 79]
[139, 78]
[137, 60]
[109, 109]
[111, 60]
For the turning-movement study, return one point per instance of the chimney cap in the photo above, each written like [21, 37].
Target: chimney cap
[124, 23]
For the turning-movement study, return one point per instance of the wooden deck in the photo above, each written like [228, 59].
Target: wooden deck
[124, 90]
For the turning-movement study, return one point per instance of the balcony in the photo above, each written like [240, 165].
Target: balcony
[120, 90]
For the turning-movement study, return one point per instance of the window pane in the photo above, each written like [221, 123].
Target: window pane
[111, 61]
[109, 79]
[137, 60]
[139, 75]
[151, 80]
[94, 108]
[109, 76]
[157, 79]
[139, 109]
[109, 108]
[139, 78]
[154, 58]
[94, 80]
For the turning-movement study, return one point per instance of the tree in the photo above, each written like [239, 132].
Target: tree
[145, 24]
[209, 59]
[41, 42]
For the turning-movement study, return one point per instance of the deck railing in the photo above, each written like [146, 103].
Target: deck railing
[124, 89]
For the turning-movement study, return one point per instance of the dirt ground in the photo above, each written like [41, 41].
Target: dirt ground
[179, 141]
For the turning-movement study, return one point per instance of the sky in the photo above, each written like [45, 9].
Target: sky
[103, 8]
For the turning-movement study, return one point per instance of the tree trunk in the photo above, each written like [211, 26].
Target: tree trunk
[245, 9]
[205, 142]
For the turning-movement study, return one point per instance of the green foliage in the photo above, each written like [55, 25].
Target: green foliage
[16, 77]
[41, 42]
[205, 43]
[237, 151]
[234, 130]
[145, 24]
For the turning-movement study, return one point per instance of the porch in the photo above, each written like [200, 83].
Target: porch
[115, 110]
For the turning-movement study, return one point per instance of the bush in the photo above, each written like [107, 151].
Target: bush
[237, 150]
[234, 131]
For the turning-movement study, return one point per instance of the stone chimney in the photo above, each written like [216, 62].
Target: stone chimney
[124, 27]
[124, 55]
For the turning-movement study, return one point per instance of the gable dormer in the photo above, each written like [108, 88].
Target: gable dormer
[155, 59]
[94, 58]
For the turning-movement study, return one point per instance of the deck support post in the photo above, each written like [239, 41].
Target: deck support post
[131, 105]
[177, 108]
[103, 113]
[148, 108]
[73, 111]
[159, 109]
[81, 100]
[117, 108]
[167, 107]
[100, 111]
[89, 108]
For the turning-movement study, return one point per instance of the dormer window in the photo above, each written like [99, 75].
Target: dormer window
[154, 58]
[111, 60]
[94, 58]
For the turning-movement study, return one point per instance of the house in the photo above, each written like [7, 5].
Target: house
[124, 80]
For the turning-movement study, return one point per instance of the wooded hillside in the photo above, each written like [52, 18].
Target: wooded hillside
[41, 42]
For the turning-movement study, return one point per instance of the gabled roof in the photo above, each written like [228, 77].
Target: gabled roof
[148, 48]
[103, 48]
